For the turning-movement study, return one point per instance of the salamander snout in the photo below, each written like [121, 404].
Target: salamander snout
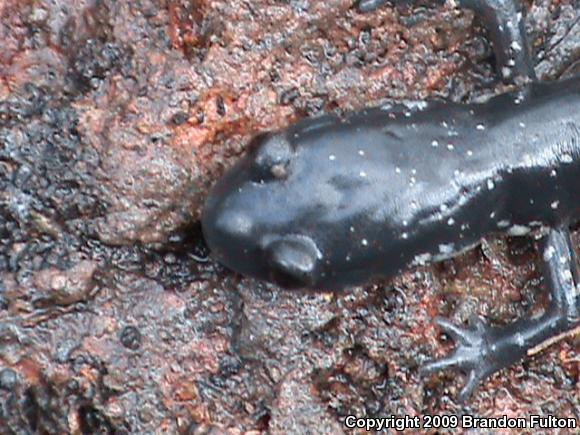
[239, 239]
[229, 234]
[233, 224]
[243, 240]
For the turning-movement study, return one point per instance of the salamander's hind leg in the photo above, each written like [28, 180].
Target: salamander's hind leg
[482, 350]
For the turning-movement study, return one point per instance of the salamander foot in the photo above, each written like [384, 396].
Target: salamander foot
[475, 354]
[482, 350]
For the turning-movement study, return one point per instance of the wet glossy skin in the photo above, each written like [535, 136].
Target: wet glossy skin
[330, 202]
[333, 202]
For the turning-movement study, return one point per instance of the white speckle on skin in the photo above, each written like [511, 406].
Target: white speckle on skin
[405, 236]
[492, 215]
[363, 174]
[450, 147]
[549, 253]
[351, 229]
[397, 170]
[446, 250]
[553, 173]
[347, 258]
[490, 184]
[435, 144]
[480, 127]
[555, 204]
[415, 104]
[443, 207]
[421, 259]
[469, 153]
[332, 157]
[413, 171]
[563, 260]
[516, 46]
[518, 230]
[413, 181]
[405, 223]
[450, 221]
[566, 158]
[503, 223]
[522, 125]
[364, 242]
[361, 153]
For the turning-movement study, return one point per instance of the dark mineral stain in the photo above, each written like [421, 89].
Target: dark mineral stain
[92, 421]
[130, 337]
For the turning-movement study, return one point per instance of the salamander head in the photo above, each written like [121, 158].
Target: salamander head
[247, 221]
[300, 207]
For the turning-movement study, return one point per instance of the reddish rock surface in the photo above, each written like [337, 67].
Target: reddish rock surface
[116, 117]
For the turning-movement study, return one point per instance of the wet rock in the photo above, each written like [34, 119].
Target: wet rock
[116, 117]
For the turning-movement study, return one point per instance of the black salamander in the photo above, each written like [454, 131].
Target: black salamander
[333, 201]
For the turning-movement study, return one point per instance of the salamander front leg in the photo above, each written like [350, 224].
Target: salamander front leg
[482, 350]
[504, 21]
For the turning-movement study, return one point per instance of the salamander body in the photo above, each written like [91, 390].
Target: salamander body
[331, 202]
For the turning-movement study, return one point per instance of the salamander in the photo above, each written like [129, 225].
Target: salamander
[335, 201]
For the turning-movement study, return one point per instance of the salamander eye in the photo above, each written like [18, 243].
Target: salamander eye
[271, 156]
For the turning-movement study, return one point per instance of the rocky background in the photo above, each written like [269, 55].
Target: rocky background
[116, 117]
